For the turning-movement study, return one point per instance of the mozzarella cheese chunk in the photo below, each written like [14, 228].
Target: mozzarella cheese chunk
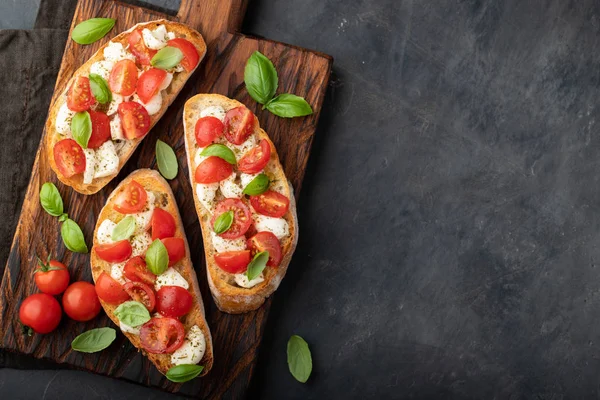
[90, 166]
[140, 243]
[245, 179]
[129, 329]
[213, 111]
[153, 105]
[143, 218]
[167, 81]
[116, 272]
[242, 280]
[115, 52]
[107, 160]
[116, 130]
[197, 157]
[102, 68]
[105, 231]
[229, 188]
[193, 348]
[63, 120]
[222, 245]
[278, 226]
[206, 194]
[113, 107]
[171, 277]
[156, 39]
[241, 149]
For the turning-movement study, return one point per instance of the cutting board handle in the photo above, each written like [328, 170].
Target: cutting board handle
[213, 17]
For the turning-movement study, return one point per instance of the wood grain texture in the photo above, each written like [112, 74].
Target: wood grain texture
[236, 337]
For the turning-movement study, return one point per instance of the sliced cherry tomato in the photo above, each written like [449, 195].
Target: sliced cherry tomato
[242, 218]
[123, 78]
[136, 270]
[80, 301]
[142, 293]
[207, 130]
[149, 83]
[135, 120]
[190, 54]
[233, 262]
[79, 96]
[163, 224]
[270, 203]
[69, 157]
[110, 290]
[239, 124]
[131, 199]
[175, 248]
[162, 335]
[173, 301]
[51, 277]
[114, 252]
[213, 169]
[266, 241]
[142, 54]
[40, 312]
[256, 159]
[100, 129]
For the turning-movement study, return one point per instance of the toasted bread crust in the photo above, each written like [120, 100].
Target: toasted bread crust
[228, 297]
[52, 136]
[152, 180]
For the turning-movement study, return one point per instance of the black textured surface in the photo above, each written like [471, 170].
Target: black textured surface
[449, 221]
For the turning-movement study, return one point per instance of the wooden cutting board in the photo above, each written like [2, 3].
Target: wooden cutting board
[236, 337]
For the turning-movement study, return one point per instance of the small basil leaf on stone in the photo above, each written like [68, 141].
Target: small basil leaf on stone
[299, 358]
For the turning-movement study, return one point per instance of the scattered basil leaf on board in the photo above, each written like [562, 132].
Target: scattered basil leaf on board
[260, 77]
[94, 340]
[72, 236]
[167, 58]
[289, 105]
[91, 30]
[124, 229]
[223, 222]
[81, 128]
[166, 160]
[132, 313]
[257, 186]
[299, 358]
[157, 257]
[50, 199]
[100, 89]
[257, 265]
[184, 372]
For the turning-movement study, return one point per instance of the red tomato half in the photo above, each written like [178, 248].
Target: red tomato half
[242, 218]
[69, 157]
[149, 83]
[123, 78]
[175, 248]
[207, 130]
[233, 262]
[131, 199]
[270, 203]
[114, 252]
[256, 159]
[136, 270]
[100, 129]
[190, 54]
[80, 301]
[163, 224]
[213, 169]
[239, 124]
[79, 96]
[142, 293]
[52, 277]
[110, 290]
[266, 241]
[173, 301]
[135, 120]
[40, 312]
[142, 54]
[162, 335]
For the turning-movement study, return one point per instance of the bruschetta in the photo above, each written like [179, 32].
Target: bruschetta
[238, 184]
[122, 96]
[124, 261]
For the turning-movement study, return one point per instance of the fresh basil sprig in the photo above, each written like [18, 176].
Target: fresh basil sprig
[81, 128]
[94, 340]
[166, 160]
[257, 186]
[288, 106]
[100, 89]
[221, 151]
[223, 222]
[92, 30]
[50, 200]
[184, 372]
[299, 358]
[167, 58]
[72, 236]
[157, 257]
[124, 229]
[132, 313]
[257, 265]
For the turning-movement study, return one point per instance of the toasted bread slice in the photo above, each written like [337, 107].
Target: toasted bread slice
[129, 146]
[152, 181]
[229, 296]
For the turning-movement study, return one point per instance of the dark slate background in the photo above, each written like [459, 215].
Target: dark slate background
[449, 241]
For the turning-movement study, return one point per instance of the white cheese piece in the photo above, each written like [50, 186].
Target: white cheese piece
[278, 226]
[178, 68]
[153, 105]
[140, 243]
[170, 35]
[129, 329]
[245, 179]
[107, 160]
[167, 81]
[242, 280]
[115, 52]
[156, 39]
[241, 149]
[197, 157]
[206, 194]
[90, 166]
[102, 68]
[116, 272]
[213, 111]
[170, 278]
[229, 188]
[63, 120]
[105, 231]
[113, 107]
[143, 218]
[222, 245]
[116, 130]
[192, 349]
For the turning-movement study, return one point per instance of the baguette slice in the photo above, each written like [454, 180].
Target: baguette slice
[169, 95]
[228, 296]
[152, 181]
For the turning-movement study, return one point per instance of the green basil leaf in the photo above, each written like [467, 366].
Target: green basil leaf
[100, 89]
[63, 217]
[157, 257]
[91, 30]
[223, 222]
[81, 128]
[132, 313]
[167, 58]
[72, 236]
[260, 77]
[299, 358]
[166, 160]
[94, 340]
[221, 151]
[257, 265]
[184, 372]
[289, 105]
[124, 229]
[50, 199]
[257, 186]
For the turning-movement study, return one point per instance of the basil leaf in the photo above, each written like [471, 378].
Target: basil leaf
[257, 265]
[91, 30]
[100, 89]
[184, 372]
[167, 58]
[166, 160]
[81, 128]
[223, 222]
[260, 77]
[50, 199]
[132, 313]
[221, 151]
[124, 229]
[257, 186]
[94, 340]
[299, 358]
[289, 105]
[157, 257]
[63, 217]
[73, 237]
